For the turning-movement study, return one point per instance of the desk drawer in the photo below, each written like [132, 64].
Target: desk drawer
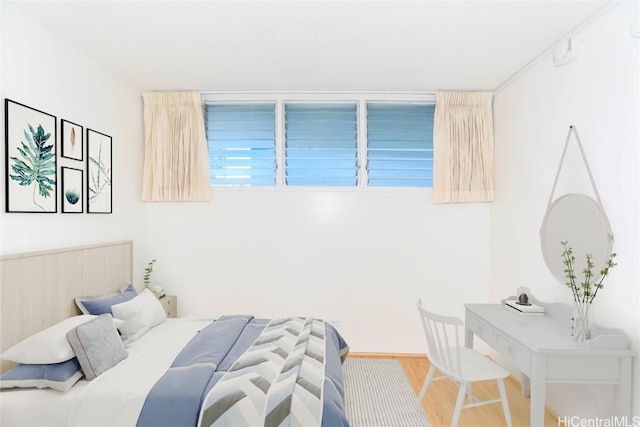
[479, 327]
[514, 352]
[572, 369]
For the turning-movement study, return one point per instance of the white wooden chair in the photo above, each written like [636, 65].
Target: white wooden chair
[461, 365]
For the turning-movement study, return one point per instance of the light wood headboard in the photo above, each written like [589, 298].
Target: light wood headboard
[38, 288]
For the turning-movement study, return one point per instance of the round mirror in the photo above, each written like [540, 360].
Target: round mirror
[578, 220]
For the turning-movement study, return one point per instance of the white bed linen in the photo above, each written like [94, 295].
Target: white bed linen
[113, 399]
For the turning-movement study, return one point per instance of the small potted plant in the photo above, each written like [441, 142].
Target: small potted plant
[147, 273]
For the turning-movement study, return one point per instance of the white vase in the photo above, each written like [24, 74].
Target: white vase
[581, 321]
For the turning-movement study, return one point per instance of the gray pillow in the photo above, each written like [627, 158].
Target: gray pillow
[97, 346]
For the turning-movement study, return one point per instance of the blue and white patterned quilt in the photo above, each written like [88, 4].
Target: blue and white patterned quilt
[242, 371]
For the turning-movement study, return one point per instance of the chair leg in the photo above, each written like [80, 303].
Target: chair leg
[505, 402]
[462, 391]
[470, 395]
[425, 385]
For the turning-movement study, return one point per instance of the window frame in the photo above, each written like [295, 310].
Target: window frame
[361, 99]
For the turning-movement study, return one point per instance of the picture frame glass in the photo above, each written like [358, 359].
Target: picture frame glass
[99, 196]
[71, 195]
[71, 140]
[30, 159]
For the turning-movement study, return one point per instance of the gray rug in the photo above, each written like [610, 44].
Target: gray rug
[378, 394]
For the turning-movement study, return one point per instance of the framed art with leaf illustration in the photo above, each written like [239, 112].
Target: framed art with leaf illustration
[71, 194]
[99, 196]
[71, 145]
[30, 159]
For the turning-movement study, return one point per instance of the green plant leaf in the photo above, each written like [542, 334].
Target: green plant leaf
[36, 162]
[101, 179]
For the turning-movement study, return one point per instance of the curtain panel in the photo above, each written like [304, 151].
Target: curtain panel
[463, 148]
[176, 160]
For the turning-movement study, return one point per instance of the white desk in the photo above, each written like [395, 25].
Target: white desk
[542, 348]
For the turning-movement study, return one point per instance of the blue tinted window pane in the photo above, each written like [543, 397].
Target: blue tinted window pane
[404, 164]
[315, 163]
[398, 154]
[321, 144]
[335, 182]
[400, 145]
[241, 140]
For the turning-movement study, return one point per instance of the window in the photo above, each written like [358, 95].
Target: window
[321, 144]
[242, 143]
[267, 140]
[400, 145]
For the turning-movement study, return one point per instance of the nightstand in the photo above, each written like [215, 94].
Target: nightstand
[170, 305]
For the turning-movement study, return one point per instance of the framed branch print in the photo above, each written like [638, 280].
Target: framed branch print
[71, 195]
[71, 145]
[99, 195]
[30, 159]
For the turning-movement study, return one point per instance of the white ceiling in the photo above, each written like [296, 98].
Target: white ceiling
[319, 45]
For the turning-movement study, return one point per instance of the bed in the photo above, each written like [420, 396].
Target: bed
[234, 370]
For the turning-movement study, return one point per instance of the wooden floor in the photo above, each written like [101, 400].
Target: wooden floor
[439, 402]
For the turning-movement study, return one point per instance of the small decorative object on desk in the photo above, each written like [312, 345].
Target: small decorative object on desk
[523, 299]
[583, 293]
[147, 273]
[524, 307]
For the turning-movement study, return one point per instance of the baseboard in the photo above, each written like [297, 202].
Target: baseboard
[365, 355]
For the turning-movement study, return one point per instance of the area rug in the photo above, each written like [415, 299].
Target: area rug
[378, 394]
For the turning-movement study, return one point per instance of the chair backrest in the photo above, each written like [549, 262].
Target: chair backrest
[443, 340]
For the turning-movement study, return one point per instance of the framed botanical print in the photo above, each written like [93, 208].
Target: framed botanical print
[71, 144]
[30, 159]
[71, 194]
[99, 174]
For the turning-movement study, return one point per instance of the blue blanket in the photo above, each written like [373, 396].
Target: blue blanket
[176, 398]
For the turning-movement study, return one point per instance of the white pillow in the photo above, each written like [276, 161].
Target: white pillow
[139, 314]
[48, 346]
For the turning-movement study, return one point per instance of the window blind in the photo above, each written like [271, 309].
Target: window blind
[242, 147]
[321, 144]
[400, 145]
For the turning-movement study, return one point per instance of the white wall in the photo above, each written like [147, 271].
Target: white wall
[360, 256]
[45, 73]
[599, 94]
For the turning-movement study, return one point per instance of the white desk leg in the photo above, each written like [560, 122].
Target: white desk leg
[468, 338]
[537, 390]
[625, 387]
[468, 342]
[525, 383]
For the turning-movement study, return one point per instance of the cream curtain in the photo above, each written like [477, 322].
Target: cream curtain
[463, 147]
[176, 166]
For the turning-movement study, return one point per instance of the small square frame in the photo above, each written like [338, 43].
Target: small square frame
[71, 200]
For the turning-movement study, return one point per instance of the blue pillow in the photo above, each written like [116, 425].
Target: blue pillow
[102, 305]
[59, 376]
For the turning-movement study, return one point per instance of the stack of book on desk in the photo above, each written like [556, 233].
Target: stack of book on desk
[530, 309]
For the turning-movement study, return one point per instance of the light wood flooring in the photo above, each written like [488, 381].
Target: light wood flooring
[439, 402]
